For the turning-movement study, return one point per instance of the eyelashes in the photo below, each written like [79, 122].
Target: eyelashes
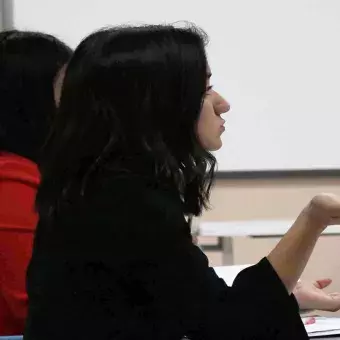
[209, 88]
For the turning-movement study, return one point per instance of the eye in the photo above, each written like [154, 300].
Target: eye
[209, 88]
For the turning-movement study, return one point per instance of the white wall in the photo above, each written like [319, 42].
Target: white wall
[278, 63]
[1, 13]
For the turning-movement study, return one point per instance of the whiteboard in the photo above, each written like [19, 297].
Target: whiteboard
[276, 61]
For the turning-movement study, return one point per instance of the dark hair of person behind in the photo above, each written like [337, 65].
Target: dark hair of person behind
[130, 102]
[29, 62]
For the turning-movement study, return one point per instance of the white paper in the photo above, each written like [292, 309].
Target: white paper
[323, 327]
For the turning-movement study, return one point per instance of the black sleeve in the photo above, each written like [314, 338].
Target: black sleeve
[259, 305]
[170, 281]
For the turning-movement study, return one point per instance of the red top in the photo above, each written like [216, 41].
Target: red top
[19, 179]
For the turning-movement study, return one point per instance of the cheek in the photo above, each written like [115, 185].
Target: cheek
[57, 85]
[202, 121]
[56, 92]
[205, 123]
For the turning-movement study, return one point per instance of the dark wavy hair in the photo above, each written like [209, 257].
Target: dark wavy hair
[29, 61]
[130, 101]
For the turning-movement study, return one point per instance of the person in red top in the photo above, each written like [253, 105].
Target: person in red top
[29, 62]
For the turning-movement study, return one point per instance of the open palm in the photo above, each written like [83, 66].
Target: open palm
[312, 296]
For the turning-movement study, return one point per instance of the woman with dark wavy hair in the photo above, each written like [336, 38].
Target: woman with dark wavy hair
[29, 62]
[126, 166]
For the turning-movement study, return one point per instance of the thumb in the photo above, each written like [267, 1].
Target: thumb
[323, 283]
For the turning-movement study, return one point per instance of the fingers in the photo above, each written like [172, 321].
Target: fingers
[334, 295]
[323, 283]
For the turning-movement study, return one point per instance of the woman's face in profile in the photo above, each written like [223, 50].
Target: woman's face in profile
[210, 124]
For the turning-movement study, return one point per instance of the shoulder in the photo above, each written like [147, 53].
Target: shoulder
[19, 179]
[120, 210]
[122, 203]
[140, 192]
[17, 168]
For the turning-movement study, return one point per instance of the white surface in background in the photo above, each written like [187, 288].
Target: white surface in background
[229, 273]
[277, 62]
[252, 228]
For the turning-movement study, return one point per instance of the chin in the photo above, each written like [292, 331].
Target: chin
[216, 145]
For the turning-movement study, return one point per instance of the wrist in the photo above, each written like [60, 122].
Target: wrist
[314, 217]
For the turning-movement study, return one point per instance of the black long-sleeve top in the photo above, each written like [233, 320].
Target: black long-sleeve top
[120, 264]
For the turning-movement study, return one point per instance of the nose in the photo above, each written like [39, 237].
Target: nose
[220, 104]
